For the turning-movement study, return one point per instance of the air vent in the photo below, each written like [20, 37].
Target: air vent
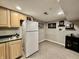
[45, 13]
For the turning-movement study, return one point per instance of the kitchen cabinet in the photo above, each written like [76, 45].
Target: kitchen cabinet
[11, 50]
[15, 49]
[4, 17]
[10, 18]
[7, 50]
[15, 22]
[2, 51]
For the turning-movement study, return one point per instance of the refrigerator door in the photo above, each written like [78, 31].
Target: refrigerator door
[30, 37]
[31, 26]
[31, 43]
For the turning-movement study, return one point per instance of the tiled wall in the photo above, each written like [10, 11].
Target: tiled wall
[8, 31]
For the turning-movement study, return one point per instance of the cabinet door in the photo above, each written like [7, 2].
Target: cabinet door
[4, 17]
[15, 49]
[22, 17]
[15, 19]
[2, 51]
[7, 50]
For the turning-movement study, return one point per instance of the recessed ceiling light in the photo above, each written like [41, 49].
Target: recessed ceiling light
[18, 8]
[60, 13]
[58, 0]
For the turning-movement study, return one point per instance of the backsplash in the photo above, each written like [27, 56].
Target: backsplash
[8, 31]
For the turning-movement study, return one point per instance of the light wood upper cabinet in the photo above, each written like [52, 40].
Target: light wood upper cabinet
[15, 19]
[2, 51]
[15, 49]
[9, 18]
[22, 17]
[4, 17]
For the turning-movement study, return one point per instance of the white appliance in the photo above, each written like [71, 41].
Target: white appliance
[30, 37]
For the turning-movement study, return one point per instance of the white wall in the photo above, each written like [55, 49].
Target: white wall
[42, 34]
[54, 35]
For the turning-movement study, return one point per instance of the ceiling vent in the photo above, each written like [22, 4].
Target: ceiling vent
[45, 13]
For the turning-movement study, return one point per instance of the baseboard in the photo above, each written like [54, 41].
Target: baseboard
[52, 41]
[42, 40]
[55, 42]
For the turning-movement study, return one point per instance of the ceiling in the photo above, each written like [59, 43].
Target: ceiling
[70, 8]
[36, 8]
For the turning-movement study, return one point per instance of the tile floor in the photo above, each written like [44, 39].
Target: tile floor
[50, 50]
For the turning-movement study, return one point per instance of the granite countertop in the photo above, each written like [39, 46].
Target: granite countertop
[9, 39]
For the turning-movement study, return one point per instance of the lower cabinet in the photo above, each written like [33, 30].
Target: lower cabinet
[15, 49]
[2, 51]
[11, 50]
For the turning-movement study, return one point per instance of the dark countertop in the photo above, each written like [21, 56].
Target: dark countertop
[9, 40]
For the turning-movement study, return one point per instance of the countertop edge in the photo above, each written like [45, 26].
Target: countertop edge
[7, 40]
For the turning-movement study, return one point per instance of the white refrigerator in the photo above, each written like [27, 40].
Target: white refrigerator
[30, 37]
